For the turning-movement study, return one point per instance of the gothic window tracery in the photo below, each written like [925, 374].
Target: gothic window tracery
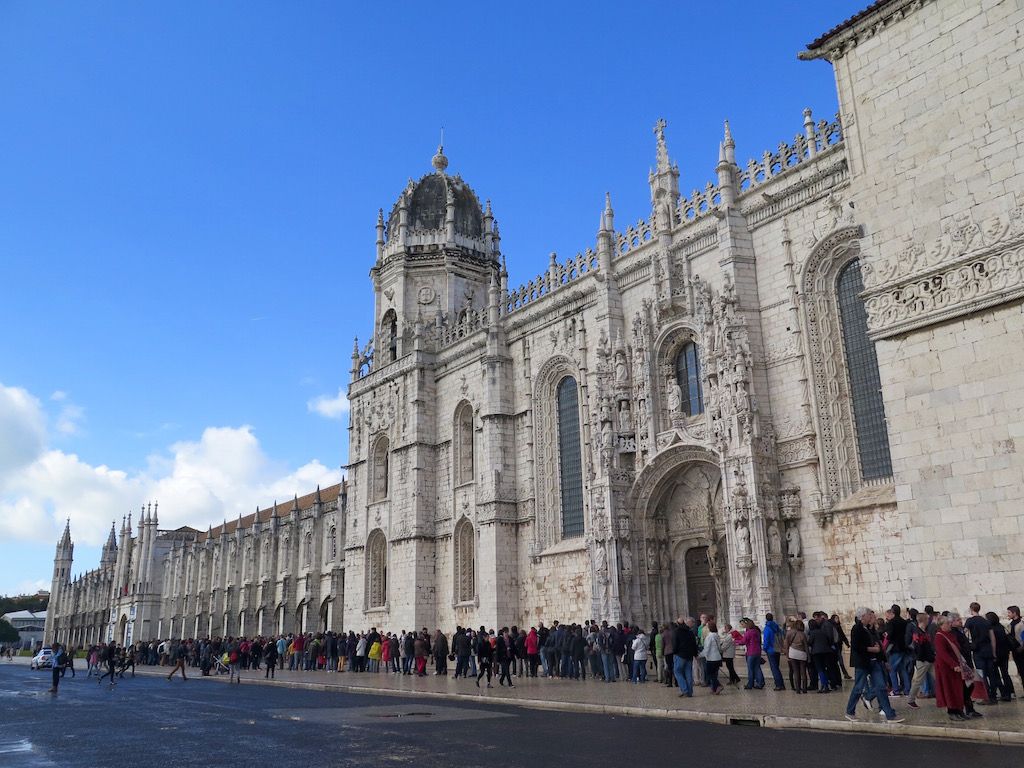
[332, 543]
[465, 562]
[462, 440]
[559, 483]
[570, 458]
[864, 380]
[389, 331]
[379, 469]
[838, 344]
[307, 550]
[376, 570]
[688, 378]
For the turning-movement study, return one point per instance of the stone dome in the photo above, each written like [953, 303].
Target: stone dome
[428, 199]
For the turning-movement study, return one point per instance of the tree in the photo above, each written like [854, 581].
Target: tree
[8, 634]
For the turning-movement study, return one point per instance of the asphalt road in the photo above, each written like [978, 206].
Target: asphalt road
[152, 722]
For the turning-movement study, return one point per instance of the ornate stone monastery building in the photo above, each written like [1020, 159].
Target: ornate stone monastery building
[799, 386]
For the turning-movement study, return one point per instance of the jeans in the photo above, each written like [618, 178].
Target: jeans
[870, 683]
[610, 667]
[755, 677]
[898, 672]
[773, 662]
[683, 670]
[545, 660]
[639, 671]
[711, 674]
[461, 666]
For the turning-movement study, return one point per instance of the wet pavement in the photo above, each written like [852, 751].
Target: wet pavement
[151, 721]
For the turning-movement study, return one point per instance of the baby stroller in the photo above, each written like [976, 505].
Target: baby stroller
[220, 664]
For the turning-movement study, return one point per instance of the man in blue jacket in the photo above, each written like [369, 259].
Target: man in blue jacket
[772, 644]
[57, 661]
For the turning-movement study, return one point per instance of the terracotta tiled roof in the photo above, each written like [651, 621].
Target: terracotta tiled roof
[283, 509]
[878, 4]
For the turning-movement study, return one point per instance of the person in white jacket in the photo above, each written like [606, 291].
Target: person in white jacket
[641, 648]
[712, 657]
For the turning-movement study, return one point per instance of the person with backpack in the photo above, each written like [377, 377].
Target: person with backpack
[57, 662]
[640, 648]
[270, 659]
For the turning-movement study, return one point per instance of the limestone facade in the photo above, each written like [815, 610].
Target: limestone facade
[798, 387]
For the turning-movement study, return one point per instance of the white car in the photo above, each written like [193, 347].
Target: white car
[42, 660]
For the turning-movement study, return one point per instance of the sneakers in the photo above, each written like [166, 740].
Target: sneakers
[866, 703]
[913, 705]
[896, 719]
[851, 718]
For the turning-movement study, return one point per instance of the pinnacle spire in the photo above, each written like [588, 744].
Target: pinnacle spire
[664, 165]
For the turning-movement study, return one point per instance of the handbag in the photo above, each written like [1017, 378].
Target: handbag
[797, 654]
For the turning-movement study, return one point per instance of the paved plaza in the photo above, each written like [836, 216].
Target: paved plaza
[204, 722]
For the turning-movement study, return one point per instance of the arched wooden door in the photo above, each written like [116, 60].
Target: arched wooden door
[700, 586]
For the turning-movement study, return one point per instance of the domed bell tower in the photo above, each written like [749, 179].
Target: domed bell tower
[437, 254]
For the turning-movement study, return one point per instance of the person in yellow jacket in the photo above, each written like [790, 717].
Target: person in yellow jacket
[374, 656]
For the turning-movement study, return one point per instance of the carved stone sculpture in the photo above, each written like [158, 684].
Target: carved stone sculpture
[627, 561]
[793, 544]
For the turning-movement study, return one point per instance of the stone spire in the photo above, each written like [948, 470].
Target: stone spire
[65, 540]
[380, 233]
[726, 168]
[664, 179]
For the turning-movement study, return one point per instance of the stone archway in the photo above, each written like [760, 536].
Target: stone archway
[122, 630]
[678, 502]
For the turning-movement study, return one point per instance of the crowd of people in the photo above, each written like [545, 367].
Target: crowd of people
[906, 653]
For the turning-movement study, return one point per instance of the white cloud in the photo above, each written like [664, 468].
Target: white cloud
[329, 407]
[68, 418]
[59, 395]
[22, 427]
[201, 482]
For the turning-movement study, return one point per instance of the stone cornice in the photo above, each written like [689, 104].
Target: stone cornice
[874, 19]
[969, 268]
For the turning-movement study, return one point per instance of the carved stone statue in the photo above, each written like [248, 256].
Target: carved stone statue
[793, 544]
[625, 417]
[714, 556]
[602, 563]
[652, 556]
[627, 560]
[665, 562]
[774, 539]
[675, 395]
[620, 367]
[742, 540]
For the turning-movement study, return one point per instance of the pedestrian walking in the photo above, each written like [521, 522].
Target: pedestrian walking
[57, 662]
[179, 653]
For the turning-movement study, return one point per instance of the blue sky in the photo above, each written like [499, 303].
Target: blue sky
[188, 198]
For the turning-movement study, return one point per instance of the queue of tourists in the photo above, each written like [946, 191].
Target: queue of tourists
[906, 654]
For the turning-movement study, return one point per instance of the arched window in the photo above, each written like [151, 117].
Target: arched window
[376, 570]
[465, 562]
[379, 470]
[570, 459]
[688, 377]
[862, 370]
[389, 332]
[332, 543]
[462, 442]
[307, 549]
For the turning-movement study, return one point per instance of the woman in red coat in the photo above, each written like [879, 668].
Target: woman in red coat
[949, 684]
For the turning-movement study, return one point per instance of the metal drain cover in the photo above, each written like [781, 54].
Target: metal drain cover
[377, 716]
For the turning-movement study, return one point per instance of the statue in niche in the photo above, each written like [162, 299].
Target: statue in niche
[742, 540]
[774, 539]
[793, 544]
[665, 563]
[620, 367]
[627, 561]
[714, 557]
[625, 417]
[652, 557]
[748, 586]
[675, 395]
